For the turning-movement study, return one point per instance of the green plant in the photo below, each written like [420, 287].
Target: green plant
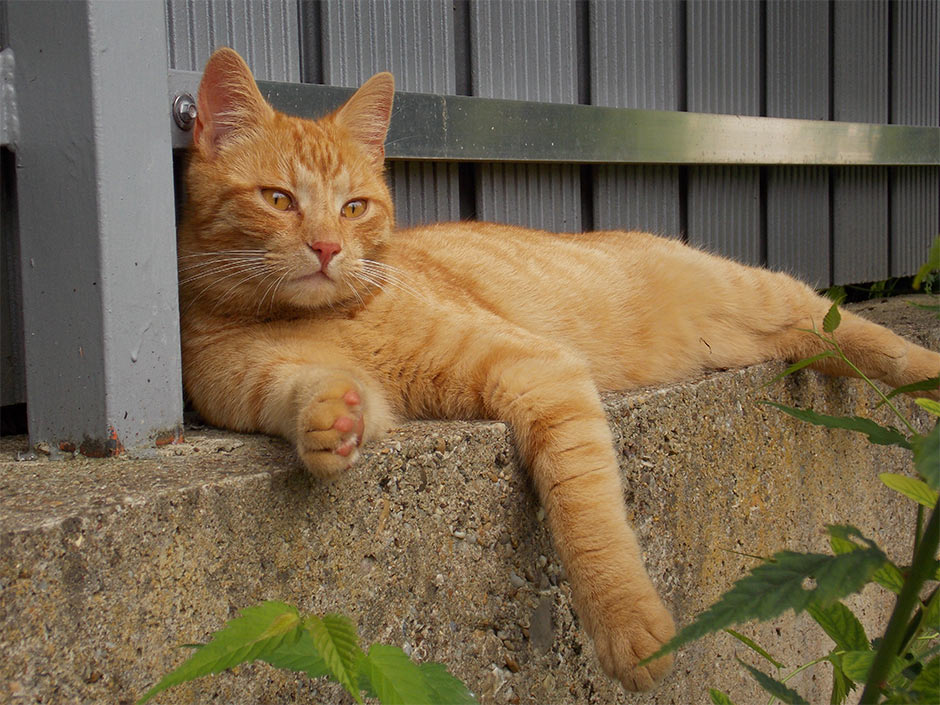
[903, 666]
[319, 647]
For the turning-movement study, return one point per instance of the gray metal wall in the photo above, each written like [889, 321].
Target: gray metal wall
[866, 60]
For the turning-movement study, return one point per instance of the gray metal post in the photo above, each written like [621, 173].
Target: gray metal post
[96, 222]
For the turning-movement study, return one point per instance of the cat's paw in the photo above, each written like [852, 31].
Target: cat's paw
[330, 428]
[627, 635]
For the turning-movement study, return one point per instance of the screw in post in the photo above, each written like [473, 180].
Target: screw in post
[184, 111]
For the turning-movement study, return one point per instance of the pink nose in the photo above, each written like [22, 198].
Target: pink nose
[325, 251]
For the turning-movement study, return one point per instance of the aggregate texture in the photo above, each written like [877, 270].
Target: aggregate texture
[434, 542]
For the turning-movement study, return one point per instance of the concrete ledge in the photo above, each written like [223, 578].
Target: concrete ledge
[433, 543]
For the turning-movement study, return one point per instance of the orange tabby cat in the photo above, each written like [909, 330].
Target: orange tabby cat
[306, 314]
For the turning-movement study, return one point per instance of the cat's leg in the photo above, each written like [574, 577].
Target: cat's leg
[876, 351]
[549, 398]
[311, 397]
[561, 429]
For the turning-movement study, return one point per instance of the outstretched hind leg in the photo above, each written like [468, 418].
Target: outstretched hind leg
[876, 351]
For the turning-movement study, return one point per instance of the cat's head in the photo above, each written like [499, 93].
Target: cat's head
[282, 213]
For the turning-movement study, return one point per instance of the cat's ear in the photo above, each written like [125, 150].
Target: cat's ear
[366, 115]
[229, 101]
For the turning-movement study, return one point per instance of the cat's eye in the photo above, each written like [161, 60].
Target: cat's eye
[354, 208]
[277, 199]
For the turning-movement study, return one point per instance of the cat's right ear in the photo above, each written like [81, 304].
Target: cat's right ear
[229, 101]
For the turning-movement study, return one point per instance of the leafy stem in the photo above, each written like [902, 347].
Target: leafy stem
[885, 399]
[921, 569]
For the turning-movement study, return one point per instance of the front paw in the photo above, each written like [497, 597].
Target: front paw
[330, 428]
[628, 633]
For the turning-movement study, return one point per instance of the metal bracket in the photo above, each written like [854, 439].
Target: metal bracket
[9, 120]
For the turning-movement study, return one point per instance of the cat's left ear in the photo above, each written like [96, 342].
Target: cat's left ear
[366, 115]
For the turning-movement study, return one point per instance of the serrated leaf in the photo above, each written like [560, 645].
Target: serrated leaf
[718, 697]
[833, 319]
[927, 457]
[857, 664]
[888, 575]
[774, 687]
[797, 366]
[774, 587]
[881, 435]
[841, 684]
[300, 655]
[918, 490]
[754, 646]
[841, 624]
[927, 684]
[929, 405]
[444, 688]
[257, 632]
[393, 677]
[337, 643]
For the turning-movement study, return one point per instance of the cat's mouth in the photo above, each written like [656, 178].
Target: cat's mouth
[313, 278]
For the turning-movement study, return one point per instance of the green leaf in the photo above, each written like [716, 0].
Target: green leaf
[930, 405]
[774, 687]
[753, 645]
[927, 457]
[927, 684]
[841, 685]
[774, 587]
[797, 366]
[841, 624]
[300, 655]
[880, 435]
[337, 643]
[393, 677]
[256, 633]
[925, 385]
[443, 687]
[910, 487]
[833, 319]
[932, 263]
[857, 664]
[888, 575]
[718, 697]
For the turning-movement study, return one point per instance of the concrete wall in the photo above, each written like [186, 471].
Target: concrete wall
[433, 543]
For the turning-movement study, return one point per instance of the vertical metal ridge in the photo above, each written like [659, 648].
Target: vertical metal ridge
[526, 51]
[724, 57]
[636, 63]
[915, 100]
[264, 32]
[723, 76]
[798, 222]
[860, 56]
[915, 217]
[415, 41]
[860, 220]
[797, 206]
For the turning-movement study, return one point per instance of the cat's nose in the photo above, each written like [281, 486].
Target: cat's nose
[325, 251]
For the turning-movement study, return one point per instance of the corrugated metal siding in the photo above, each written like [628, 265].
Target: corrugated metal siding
[798, 87]
[723, 76]
[264, 32]
[860, 93]
[915, 100]
[635, 55]
[526, 51]
[415, 41]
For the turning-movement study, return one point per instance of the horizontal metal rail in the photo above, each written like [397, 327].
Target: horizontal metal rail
[461, 128]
